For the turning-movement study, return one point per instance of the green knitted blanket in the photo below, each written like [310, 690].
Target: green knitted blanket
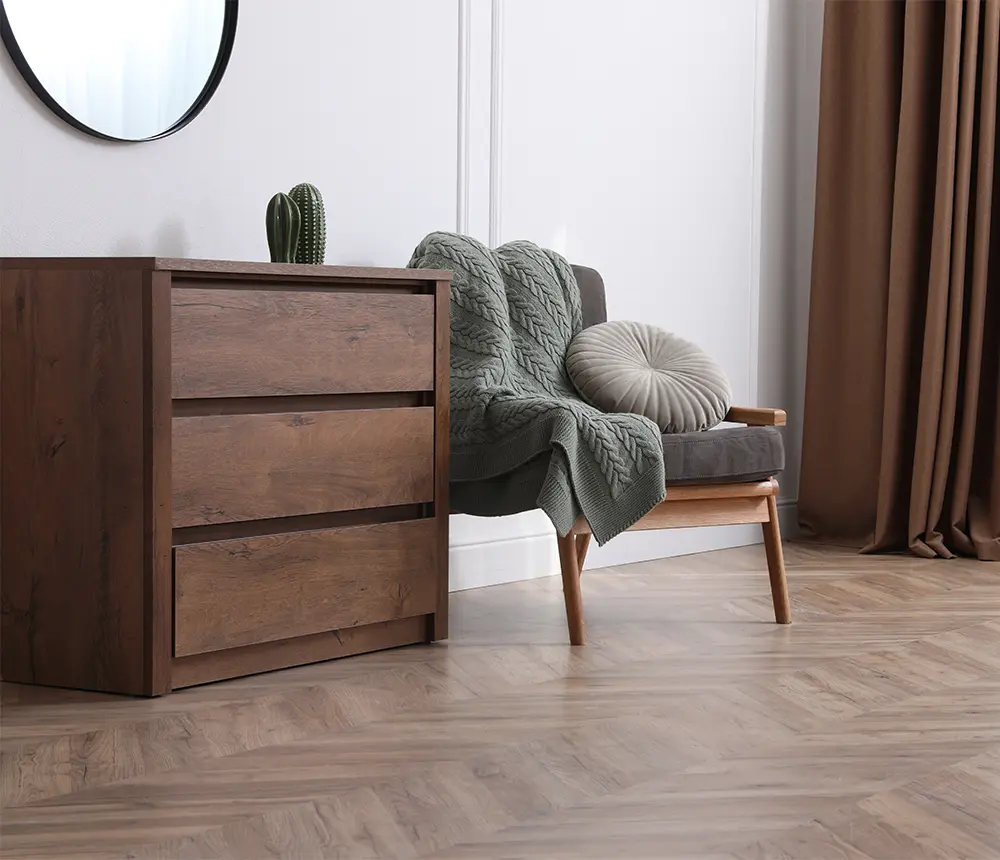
[513, 313]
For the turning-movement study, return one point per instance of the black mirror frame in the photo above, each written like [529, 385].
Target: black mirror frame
[218, 70]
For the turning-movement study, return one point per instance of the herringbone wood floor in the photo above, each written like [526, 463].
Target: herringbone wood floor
[691, 726]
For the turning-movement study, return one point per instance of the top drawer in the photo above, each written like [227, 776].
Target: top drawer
[261, 343]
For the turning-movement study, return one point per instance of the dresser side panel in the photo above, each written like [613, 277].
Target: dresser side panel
[73, 477]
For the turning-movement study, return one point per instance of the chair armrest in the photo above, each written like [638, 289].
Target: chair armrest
[756, 417]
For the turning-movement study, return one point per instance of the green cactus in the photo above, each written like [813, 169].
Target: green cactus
[312, 244]
[284, 222]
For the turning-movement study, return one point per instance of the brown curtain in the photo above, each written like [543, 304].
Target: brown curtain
[901, 445]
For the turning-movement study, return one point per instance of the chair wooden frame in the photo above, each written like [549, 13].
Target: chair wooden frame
[695, 505]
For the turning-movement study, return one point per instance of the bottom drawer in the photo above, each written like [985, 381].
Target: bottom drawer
[240, 592]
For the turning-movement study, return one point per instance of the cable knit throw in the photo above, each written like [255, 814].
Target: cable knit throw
[513, 313]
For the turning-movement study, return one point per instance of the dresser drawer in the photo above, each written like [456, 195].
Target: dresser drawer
[243, 592]
[258, 342]
[228, 468]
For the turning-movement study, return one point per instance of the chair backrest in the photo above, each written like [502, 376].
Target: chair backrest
[592, 299]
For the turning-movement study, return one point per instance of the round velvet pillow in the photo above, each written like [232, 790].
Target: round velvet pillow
[634, 367]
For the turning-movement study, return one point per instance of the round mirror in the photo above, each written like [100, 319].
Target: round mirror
[121, 69]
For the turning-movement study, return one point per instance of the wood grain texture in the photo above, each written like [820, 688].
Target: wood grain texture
[77, 509]
[236, 268]
[690, 727]
[442, 388]
[298, 271]
[696, 512]
[756, 416]
[282, 653]
[722, 491]
[248, 467]
[776, 564]
[243, 592]
[158, 606]
[569, 563]
[239, 342]
[88, 463]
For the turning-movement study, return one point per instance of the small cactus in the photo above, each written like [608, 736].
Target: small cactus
[312, 243]
[283, 225]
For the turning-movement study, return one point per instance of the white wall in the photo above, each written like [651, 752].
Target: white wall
[671, 146]
[651, 139]
[357, 97]
[790, 123]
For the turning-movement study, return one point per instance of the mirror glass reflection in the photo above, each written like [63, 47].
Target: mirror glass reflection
[125, 69]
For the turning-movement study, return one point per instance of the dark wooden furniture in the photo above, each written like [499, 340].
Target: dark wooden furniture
[211, 469]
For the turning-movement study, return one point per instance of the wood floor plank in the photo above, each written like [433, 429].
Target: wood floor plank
[691, 726]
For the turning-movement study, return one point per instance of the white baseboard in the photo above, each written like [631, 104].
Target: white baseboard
[475, 565]
[481, 564]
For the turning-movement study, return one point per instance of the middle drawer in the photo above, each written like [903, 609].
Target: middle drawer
[230, 468]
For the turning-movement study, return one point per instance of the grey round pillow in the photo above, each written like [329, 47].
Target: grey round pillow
[633, 367]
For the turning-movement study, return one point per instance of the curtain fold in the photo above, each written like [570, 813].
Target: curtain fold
[901, 446]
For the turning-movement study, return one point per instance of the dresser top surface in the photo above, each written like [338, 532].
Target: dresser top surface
[225, 267]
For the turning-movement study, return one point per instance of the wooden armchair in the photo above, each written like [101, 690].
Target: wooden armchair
[686, 505]
[720, 477]
[723, 476]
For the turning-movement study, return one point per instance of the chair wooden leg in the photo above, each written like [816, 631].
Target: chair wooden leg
[776, 564]
[569, 561]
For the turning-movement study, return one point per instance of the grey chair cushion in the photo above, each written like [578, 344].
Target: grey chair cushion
[722, 456]
[624, 366]
[725, 455]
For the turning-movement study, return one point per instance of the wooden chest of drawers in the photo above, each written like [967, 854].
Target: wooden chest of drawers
[209, 469]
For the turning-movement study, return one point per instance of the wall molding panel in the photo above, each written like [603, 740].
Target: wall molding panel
[496, 122]
[510, 159]
[464, 100]
[761, 13]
